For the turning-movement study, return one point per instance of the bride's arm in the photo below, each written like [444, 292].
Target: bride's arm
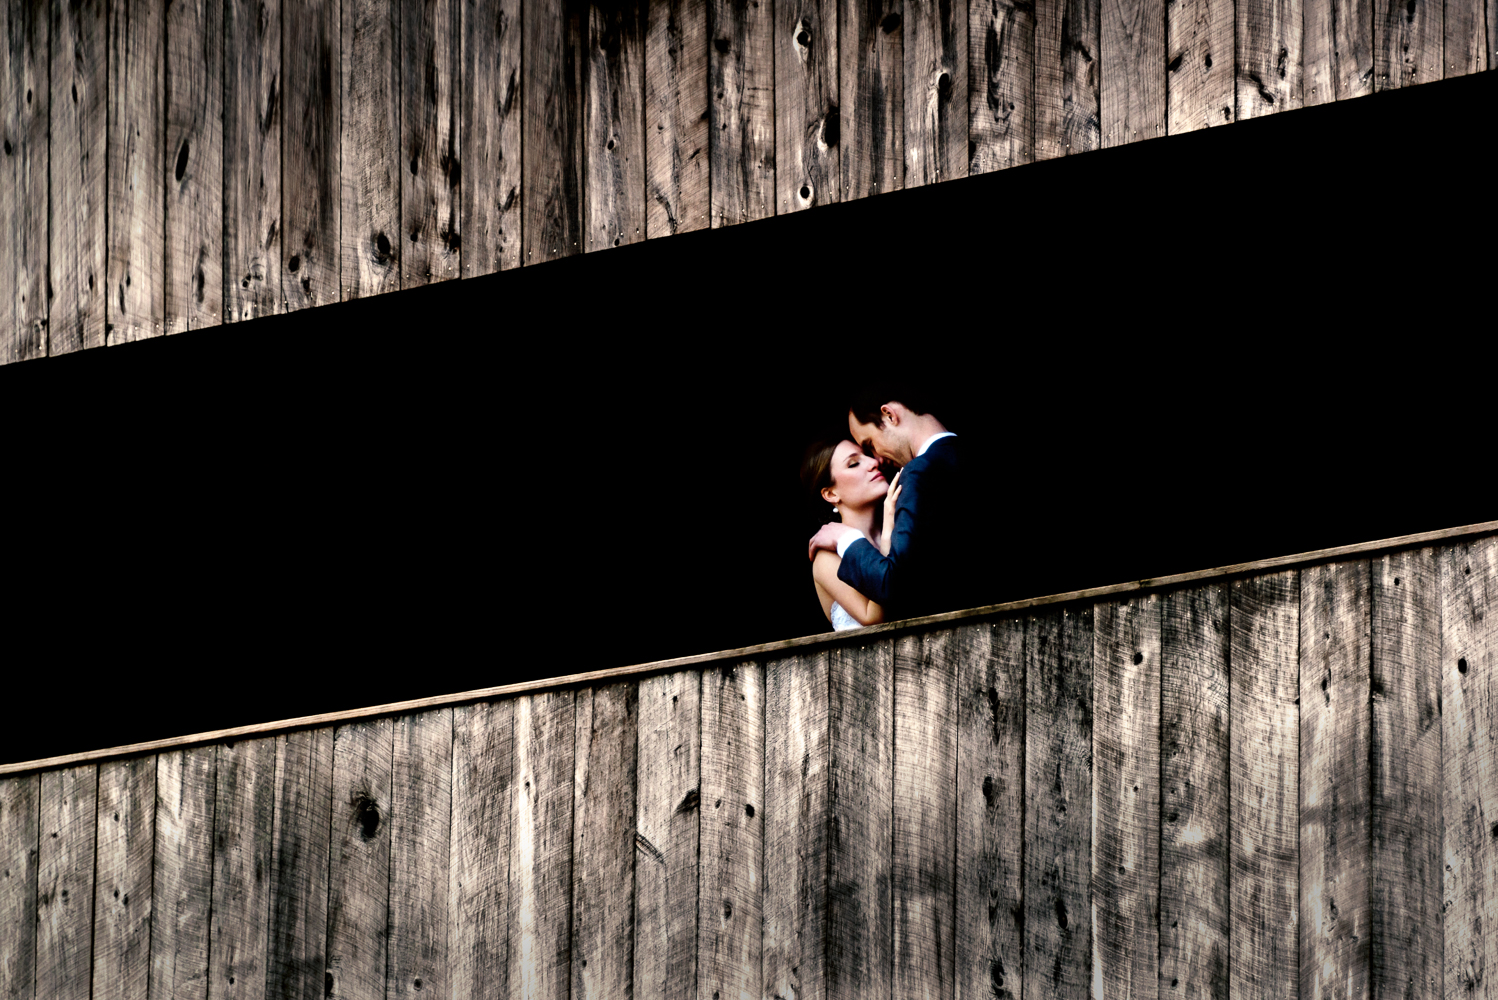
[824, 571]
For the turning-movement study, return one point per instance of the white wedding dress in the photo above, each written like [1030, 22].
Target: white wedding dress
[841, 620]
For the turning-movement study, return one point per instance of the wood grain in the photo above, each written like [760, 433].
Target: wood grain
[1408, 947]
[1268, 57]
[489, 136]
[991, 811]
[182, 873]
[603, 842]
[296, 938]
[860, 736]
[194, 166]
[359, 862]
[1465, 32]
[1194, 928]
[65, 883]
[243, 827]
[77, 203]
[478, 894]
[20, 817]
[1001, 68]
[667, 817]
[732, 888]
[1338, 50]
[613, 123]
[676, 117]
[1068, 44]
[311, 119]
[1407, 41]
[1469, 661]
[1200, 74]
[1133, 86]
[122, 898]
[420, 825]
[135, 298]
[431, 54]
[1126, 797]
[540, 919]
[252, 159]
[936, 91]
[924, 813]
[871, 88]
[23, 182]
[795, 833]
[808, 122]
[369, 210]
[1334, 746]
[1264, 878]
[552, 179]
[741, 122]
[1058, 814]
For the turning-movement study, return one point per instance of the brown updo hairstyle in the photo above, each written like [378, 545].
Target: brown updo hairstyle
[816, 473]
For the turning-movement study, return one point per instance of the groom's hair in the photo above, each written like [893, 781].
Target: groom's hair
[867, 400]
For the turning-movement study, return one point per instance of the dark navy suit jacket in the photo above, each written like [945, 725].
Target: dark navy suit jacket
[925, 571]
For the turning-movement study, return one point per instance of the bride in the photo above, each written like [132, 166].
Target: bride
[839, 473]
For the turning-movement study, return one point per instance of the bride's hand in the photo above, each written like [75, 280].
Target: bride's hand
[890, 498]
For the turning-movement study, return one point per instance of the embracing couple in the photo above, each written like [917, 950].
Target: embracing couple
[896, 549]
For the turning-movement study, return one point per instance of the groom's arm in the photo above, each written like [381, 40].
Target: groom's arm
[864, 567]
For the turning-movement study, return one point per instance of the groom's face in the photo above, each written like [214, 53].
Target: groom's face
[878, 440]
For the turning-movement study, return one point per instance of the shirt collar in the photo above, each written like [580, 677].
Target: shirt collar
[934, 437]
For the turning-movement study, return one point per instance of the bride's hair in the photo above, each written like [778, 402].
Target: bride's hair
[816, 470]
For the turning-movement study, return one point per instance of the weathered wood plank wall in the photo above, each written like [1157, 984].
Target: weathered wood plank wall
[1276, 785]
[176, 166]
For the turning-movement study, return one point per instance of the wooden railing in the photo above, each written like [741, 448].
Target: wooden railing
[1270, 780]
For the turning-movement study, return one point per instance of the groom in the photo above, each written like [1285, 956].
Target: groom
[925, 572]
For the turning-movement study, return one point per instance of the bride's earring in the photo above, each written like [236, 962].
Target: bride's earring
[834, 510]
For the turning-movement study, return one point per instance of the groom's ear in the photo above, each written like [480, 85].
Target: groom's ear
[890, 414]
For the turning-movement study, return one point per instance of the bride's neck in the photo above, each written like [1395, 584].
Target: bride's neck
[861, 518]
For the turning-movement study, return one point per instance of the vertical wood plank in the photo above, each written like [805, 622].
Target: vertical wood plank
[871, 89]
[923, 816]
[860, 771]
[1469, 661]
[1126, 796]
[808, 121]
[1268, 58]
[1335, 920]
[1263, 729]
[311, 121]
[478, 942]
[489, 136]
[730, 936]
[20, 819]
[614, 124]
[1133, 91]
[1067, 100]
[65, 882]
[122, 900]
[603, 842]
[1194, 925]
[182, 873]
[431, 53]
[796, 762]
[741, 136]
[23, 182]
[1058, 818]
[252, 159]
[540, 919]
[137, 44]
[552, 179]
[79, 62]
[1001, 105]
[990, 924]
[359, 863]
[369, 138]
[676, 117]
[1463, 48]
[194, 160]
[1406, 43]
[1405, 775]
[666, 836]
[1200, 78]
[936, 91]
[243, 824]
[296, 942]
[1338, 50]
[420, 821]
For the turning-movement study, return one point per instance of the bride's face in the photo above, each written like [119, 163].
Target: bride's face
[856, 479]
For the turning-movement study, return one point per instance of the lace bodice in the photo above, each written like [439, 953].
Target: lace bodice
[841, 620]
